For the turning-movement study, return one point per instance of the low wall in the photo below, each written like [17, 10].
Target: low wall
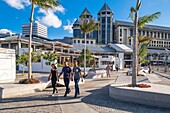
[157, 95]
[13, 90]
[7, 65]
[96, 73]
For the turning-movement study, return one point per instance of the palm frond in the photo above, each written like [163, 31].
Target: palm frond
[88, 26]
[131, 15]
[45, 4]
[138, 5]
[143, 21]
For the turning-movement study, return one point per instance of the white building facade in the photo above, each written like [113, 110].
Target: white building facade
[7, 65]
[161, 34]
[37, 30]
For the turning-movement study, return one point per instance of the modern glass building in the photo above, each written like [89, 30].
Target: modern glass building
[121, 32]
[105, 18]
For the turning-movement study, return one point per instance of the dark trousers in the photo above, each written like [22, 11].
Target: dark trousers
[77, 92]
[53, 82]
[67, 82]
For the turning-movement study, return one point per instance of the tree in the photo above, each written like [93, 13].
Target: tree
[23, 59]
[88, 55]
[87, 26]
[138, 23]
[50, 57]
[45, 4]
[144, 41]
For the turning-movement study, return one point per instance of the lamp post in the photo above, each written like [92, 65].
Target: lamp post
[166, 60]
[158, 62]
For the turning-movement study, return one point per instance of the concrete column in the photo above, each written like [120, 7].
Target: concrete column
[60, 60]
[167, 36]
[64, 59]
[68, 50]
[53, 47]
[9, 46]
[34, 47]
[62, 49]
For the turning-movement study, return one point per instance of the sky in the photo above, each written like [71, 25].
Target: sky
[14, 13]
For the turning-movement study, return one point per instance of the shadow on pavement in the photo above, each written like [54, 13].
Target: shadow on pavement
[100, 97]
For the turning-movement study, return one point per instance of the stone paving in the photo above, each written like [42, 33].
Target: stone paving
[93, 93]
[40, 102]
[101, 102]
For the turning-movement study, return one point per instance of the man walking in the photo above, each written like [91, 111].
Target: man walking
[66, 70]
[76, 75]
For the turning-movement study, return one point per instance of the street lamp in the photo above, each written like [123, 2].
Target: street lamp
[166, 60]
[158, 62]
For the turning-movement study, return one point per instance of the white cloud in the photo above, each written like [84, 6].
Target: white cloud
[4, 31]
[49, 19]
[18, 4]
[60, 8]
[69, 26]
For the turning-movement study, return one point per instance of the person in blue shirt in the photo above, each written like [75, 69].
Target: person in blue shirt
[66, 71]
[76, 75]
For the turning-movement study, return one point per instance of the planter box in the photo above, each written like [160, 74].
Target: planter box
[157, 95]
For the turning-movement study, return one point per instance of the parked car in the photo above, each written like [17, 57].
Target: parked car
[141, 69]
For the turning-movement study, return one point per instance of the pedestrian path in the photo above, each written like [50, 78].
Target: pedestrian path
[73, 105]
[163, 74]
[153, 78]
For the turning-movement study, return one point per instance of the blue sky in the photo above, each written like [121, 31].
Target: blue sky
[14, 13]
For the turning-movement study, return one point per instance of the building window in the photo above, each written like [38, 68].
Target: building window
[120, 32]
[147, 33]
[108, 20]
[139, 33]
[150, 34]
[4, 45]
[129, 41]
[165, 35]
[108, 12]
[91, 42]
[168, 36]
[131, 32]
[78, 41]
[162, 35]
[155, 34]
[103, 19]
[83, 41]
[87, 42]
[103, 13]
[74, 41]
[144, 33]
[158, 35]
[120, 39]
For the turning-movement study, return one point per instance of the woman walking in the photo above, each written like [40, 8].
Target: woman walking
[76, 75]
[54, 77]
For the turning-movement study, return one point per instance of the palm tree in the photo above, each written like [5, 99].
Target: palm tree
[144, 41]
[134, 17]
[87, 26]
[88, 55]
[45, 4]
[138, 23]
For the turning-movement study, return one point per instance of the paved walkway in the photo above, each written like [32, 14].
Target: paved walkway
[94, 99]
